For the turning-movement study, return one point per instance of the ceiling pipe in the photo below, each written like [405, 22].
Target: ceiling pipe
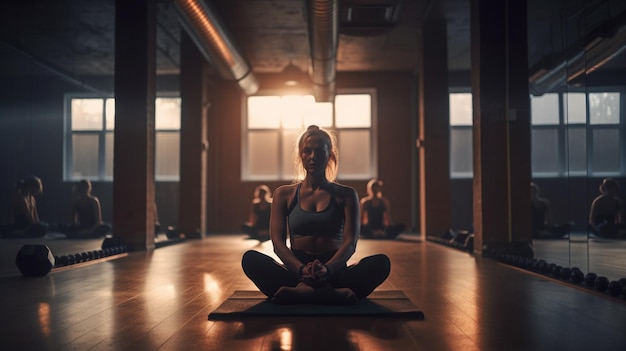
[323, 19]
[596, 53]
[210, 36]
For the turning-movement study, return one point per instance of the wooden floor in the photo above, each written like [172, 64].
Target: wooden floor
[605, 257]
[160, 300]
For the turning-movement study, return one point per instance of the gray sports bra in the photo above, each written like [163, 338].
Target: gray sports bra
[324, 224]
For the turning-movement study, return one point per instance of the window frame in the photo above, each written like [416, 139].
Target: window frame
[460, 127]
[562, 130]
[68, 152]
[245, 175]
[102, 134]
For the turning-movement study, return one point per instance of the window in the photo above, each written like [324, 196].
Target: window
[461, 147]
[604, 124]
[167, 139]
[546, 148]
[574, 133]
[566, 142]
[273, 123]
[89, 141]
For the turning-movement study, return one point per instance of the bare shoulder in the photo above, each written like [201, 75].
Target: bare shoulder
[364, 200]
[284, 192]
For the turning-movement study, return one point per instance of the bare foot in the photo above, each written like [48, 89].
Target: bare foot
[286, 295]
[331, 296]
[304, 294]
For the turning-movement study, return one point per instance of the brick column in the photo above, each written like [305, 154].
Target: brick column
[501, 130]
[193, 141]
[434, 129]
[135, 78]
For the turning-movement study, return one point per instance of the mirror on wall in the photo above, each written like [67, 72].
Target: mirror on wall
[35, 83]
[577, 85]
[578, 134]
[57, 118]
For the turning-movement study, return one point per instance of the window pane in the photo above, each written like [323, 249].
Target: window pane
[110, 114]
[292, 110]
[320, 114]
[261, 155]
[606, 153]
[288, 153]
[575, 108]
[461, 151]
[87, 114]
[461, 109]
[263, 112]
[604, 108]
[577, 149]
[167, 154]
[353, 111]
[108, 155]
[545, 109]
[545, 151]
[268, 152]
[85, 156]
[355, 156]
[167, 113]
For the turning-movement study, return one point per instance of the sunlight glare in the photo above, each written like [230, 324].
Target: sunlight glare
[320, 113]
[461, 113]
[298, 111]
[262, 112]
[212, 285]
[110, 114]
[167, 113]
[89, 106]
[292, 109]
[353, 111]
[44, 318]
[286, 338]
[86, 114]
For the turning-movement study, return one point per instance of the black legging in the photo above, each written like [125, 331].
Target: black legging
[252, 231]
[391, 231]
[362, 278]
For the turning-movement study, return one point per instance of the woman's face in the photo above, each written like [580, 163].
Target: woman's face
[315, 154]
[36, 187]
[376, 189]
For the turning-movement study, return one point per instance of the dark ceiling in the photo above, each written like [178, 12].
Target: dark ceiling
[76, 37]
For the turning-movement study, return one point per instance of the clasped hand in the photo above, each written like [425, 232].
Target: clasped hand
[314, 274]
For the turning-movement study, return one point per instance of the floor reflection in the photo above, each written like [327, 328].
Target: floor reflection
[601, 256]
[301, 333]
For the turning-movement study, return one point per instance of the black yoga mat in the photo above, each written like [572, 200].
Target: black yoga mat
[384, 303]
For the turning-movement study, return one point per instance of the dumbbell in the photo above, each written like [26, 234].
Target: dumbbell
[601, 283]
[565, 273]
[65, 260]
[576, 276]
[590, 279]
[34, 260]
[615, 288]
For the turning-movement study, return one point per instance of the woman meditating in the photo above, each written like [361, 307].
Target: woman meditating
[606, 214]
[258, 224]
[322, 220]
[86, 213]
[376, 213]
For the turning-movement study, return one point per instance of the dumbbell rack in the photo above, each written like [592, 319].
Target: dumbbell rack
[574, 276]
[83, 258]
